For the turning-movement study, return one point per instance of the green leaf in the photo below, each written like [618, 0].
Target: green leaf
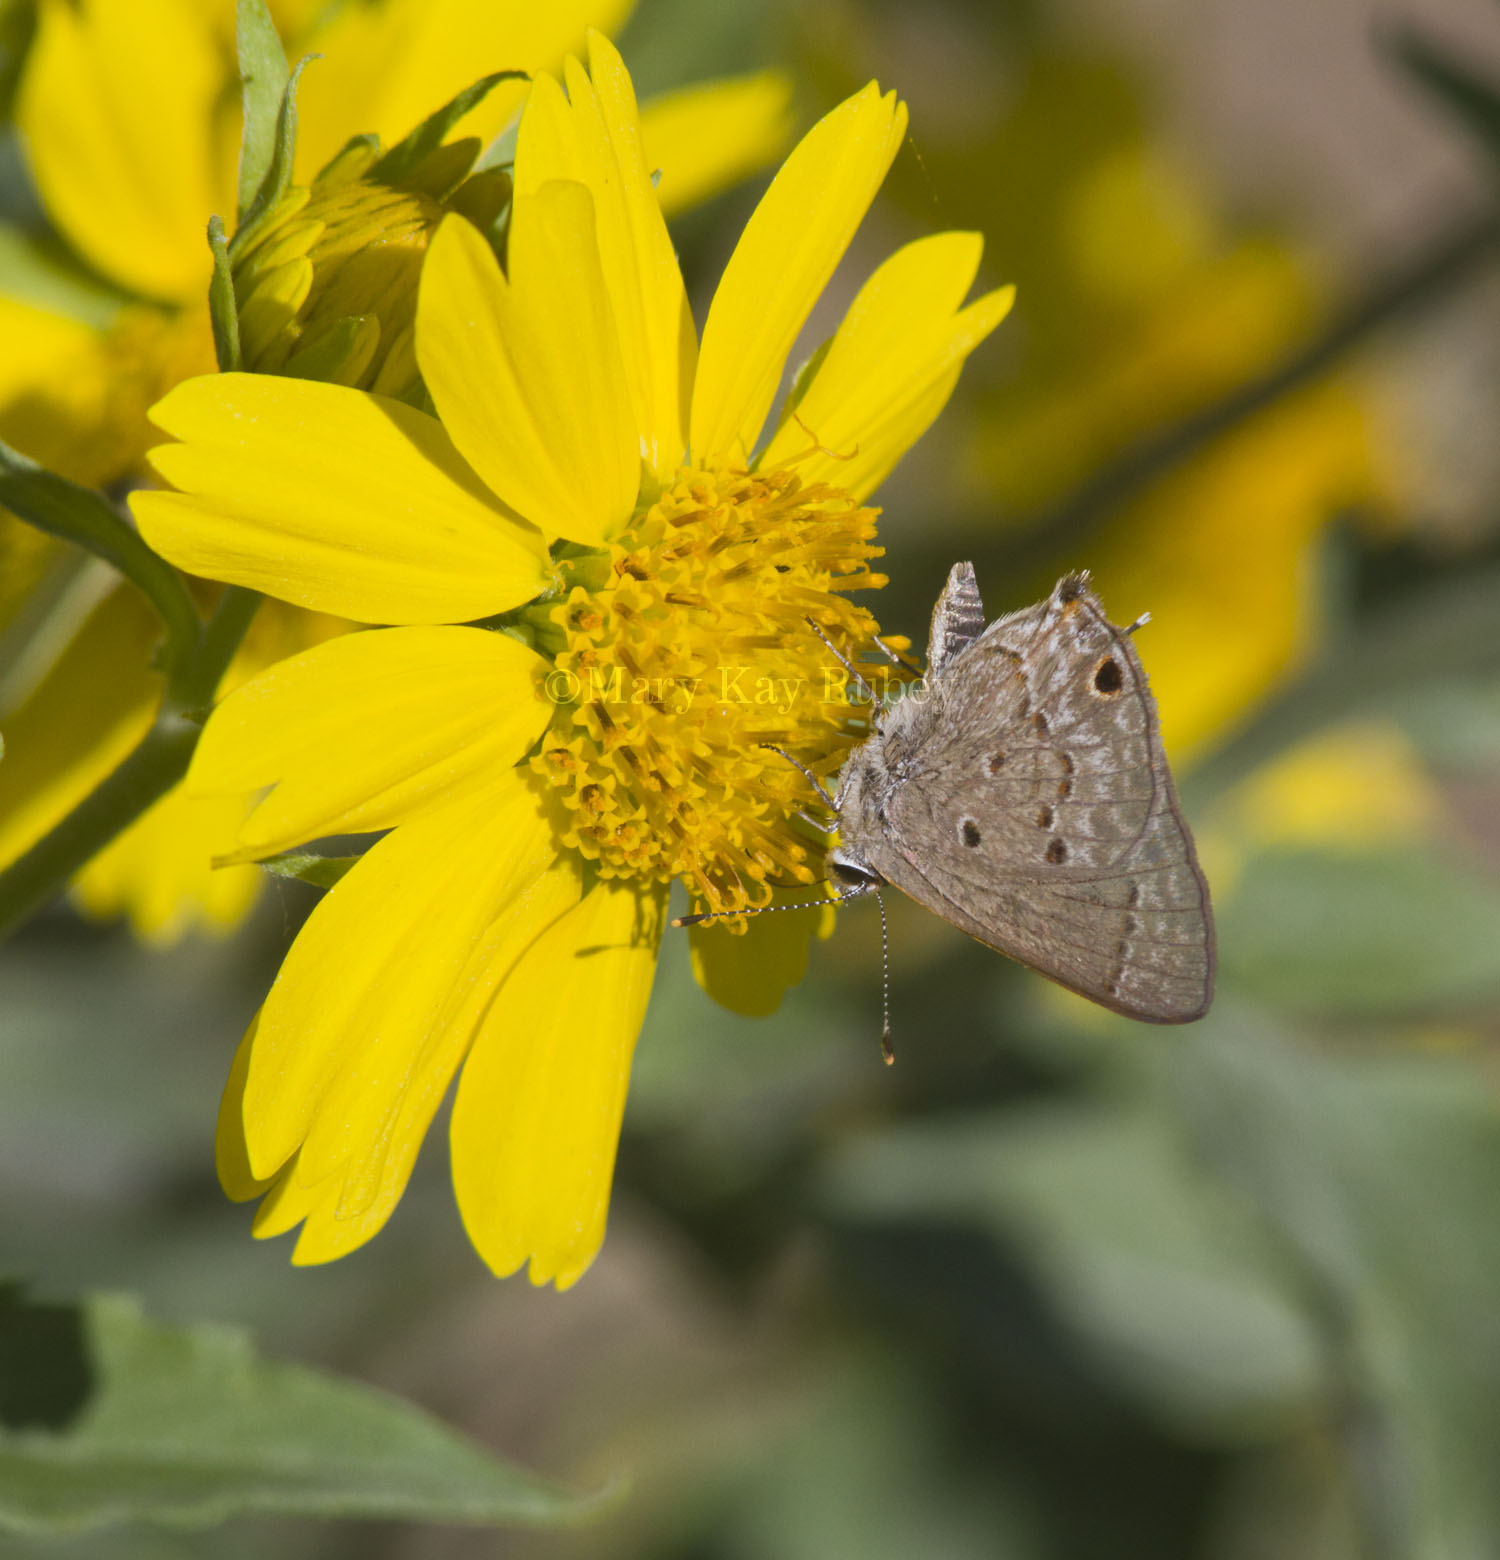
[1166, 1279]
[308, 867]
[46, 1375]
[1472, 99]
[1362, 934]
[223, 311]
[406, 155]
[278, 175]
[263, 76]
[78, 514]
[187, 1425]
[863, 1469]
[1382, 1176]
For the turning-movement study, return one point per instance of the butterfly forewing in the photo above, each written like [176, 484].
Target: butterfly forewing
[1032, 807]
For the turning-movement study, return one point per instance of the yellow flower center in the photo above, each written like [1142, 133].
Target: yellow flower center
[689, 650]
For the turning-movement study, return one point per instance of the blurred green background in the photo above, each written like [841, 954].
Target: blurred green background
[1056, 1286]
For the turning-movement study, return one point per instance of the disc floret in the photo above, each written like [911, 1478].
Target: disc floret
[694, 650]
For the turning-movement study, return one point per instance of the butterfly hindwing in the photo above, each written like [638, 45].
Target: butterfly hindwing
[1029, 802]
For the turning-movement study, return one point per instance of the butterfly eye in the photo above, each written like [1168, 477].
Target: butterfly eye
[854, 874]
[1108, 678]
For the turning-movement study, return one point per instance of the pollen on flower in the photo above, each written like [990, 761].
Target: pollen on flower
[691, 653]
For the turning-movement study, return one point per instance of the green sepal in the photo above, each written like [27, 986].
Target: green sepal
[329, 356]
[484, 198]
[443, 169]
[307, 866]
[223, 311]
[1472, 99]
[263, 78]
[78, 514]
[398, 164]
[802, 383]
[124, 1420]
[501, 152]
[351, 162]
[278, 175]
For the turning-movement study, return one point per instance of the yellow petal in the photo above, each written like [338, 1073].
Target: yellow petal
[54, 387]
[75, 398]
[366, 731]
[536, 1120]
[751, 972]
[344, 1209]
[705, 137]
[525, 371]
[160, 872]
[230, 1156]
[592, 136]
[287, 1203]
[40, 586]
[117, 109]
[789, 249]
[333, 499]
[386, 67]
[372, 972]
[891, 365]
[83, 716]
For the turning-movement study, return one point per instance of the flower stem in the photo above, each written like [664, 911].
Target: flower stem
[156, 765]
[1427, 279]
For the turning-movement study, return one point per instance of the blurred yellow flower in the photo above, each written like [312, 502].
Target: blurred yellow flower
[592, 455]
[1222, 549]
[1359, 786]
[129, 115]
[1142, 307]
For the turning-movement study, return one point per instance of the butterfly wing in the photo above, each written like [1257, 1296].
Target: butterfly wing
[1035, 810]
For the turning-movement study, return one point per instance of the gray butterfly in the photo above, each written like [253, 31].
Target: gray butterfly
[1025, 797]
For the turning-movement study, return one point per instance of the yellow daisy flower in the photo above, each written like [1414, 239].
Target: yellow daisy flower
[543, 785]
[128, 112]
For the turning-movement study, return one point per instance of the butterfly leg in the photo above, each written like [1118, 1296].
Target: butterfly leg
[896, 658]
[848, 665]
[807, 774]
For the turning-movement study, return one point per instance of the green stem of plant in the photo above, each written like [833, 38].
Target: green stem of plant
[1424, 281]
[156, 765]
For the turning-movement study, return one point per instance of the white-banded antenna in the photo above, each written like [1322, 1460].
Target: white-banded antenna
[857, 892]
